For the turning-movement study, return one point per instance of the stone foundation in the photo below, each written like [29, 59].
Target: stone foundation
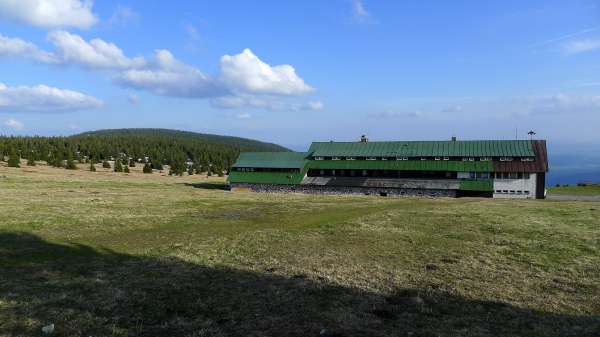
[338, 190]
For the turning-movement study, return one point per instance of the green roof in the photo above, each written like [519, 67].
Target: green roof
[403, 165]
[281, 160]
[277, 178]
[465, 148]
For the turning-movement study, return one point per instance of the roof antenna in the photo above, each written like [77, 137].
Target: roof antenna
[531, 133]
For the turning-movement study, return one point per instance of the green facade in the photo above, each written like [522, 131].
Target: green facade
[486, 185]
[276, 178]
[403, 165]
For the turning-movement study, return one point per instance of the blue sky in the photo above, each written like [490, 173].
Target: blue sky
[292, 72]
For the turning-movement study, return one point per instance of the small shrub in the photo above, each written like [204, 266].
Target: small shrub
[147, 168]
[126, 169]
[14, 160]
[118, 166]
[106, 164]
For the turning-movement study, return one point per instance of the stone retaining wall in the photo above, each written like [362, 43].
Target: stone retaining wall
[336, 190]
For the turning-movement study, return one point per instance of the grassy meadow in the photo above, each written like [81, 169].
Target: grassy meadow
[576, 190]
[114, 254]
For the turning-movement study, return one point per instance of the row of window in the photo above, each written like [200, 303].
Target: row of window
[512, 192]
[526, 159]
[511, 175]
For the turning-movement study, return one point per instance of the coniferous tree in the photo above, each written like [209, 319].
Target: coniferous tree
[70, 163]
[147, 168]
[13, 158]
[191, 170]
[126, 169]
[31, 159]
[118, 166]
[131, 162]
[106, 164]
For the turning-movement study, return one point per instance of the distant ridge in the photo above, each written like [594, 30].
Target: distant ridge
[238, 142]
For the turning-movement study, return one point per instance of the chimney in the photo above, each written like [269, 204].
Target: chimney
[364, 139]
[453, 138]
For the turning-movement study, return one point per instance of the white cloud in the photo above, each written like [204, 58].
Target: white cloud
[97, 53]
[359, 12]
[392, 114]
[42, 98]
[122, 15]
[20, 48]
[14, 124]
[245, 72]
[580, 46]
[243, 115]
[262, 102]
[50, 13]
[168, 76]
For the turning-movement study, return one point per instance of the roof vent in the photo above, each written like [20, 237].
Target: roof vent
[364, 139]
[453, 138]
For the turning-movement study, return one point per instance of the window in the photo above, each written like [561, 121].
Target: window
[513, 175]
[318, 158]
[506, 158]
[504, 191]
[446, 158]
[404, 158]
[383, 158]
[526, 175]
[483, 175]
[485, 159]
[471, 159]
[498, 191]
[423, 158]
[519, 191]
[512, 191]
[526, 192]
[438, 158]
[472, 175]
[371, 158]
[527, 159]
[465, 159]
[335, 158]
[350, 158]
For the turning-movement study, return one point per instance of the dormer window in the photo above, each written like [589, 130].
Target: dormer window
[506, 158]
[468, 159]
[335, 158]
[318, 158]
[446, 158]
[401, 158]
[438, 158]
[371, 158]
[383, 158]
[527, 159]
[423, 158]
[350, 158]
[485, 159]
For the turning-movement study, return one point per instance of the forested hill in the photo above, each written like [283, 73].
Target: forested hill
[162, 146]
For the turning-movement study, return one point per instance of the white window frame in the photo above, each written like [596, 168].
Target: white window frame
[485, 158]
[350, 158]
[527, 159]
[335, 158]
[438, 158]
[446, 158]
[506, 158]
[371, 158]
[319, 158]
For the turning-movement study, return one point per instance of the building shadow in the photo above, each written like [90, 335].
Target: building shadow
[89, 292]
[208, 186]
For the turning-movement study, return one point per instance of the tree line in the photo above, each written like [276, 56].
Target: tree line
[182, 151]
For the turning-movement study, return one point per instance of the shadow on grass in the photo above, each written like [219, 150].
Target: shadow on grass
[100, 293]
[208, 186]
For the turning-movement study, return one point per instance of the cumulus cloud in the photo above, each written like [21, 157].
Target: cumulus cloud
[97, 53]
[168, 76]
[243, 79]
[14, 124]
[42, 98]
[20, 48]
[580, 46]
[262, 102]
[245, 72]
[50, 13]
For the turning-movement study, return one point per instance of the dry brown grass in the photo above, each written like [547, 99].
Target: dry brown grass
[108, 253]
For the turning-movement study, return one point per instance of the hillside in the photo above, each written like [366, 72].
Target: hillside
[242, 143]
[162, 146]
[112, 254]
